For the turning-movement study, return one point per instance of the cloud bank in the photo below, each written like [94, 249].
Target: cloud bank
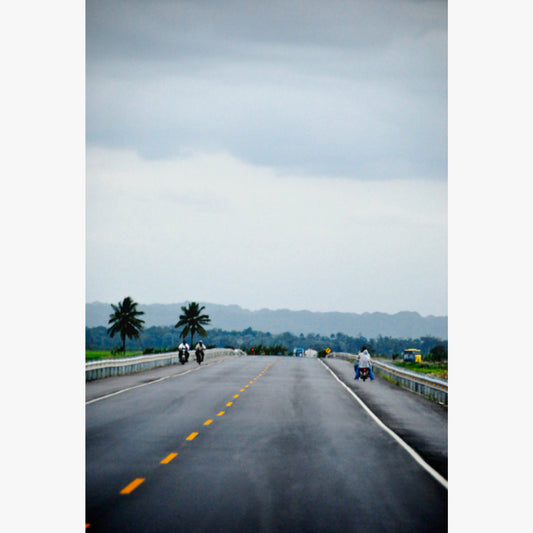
[355, 89]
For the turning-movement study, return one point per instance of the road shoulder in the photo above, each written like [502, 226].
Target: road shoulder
[420, 422]
[99, 388]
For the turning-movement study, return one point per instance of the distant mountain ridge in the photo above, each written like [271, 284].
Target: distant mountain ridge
[405, 324]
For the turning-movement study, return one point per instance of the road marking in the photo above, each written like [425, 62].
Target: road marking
[236, 396]
[246, 386]
[168, 458]
[125, 390]
[398, 439]
[207, 422]
[152, 382]
[132, 486]
[242, 390]
[141, 385]
[221, 413]
[229, 404]
[192, 435]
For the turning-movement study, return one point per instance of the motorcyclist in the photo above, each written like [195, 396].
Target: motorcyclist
[184, 348]
[364, 362]
[200, 347]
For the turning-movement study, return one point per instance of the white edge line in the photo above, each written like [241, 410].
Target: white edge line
[149, 383]
[139, 386]
[398, 439]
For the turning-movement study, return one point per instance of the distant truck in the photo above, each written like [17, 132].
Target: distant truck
[412, 354]
[298, 352]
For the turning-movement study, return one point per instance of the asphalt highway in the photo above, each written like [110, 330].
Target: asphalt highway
[254, 444]
[421, 423]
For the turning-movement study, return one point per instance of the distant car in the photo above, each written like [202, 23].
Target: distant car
[298, 352]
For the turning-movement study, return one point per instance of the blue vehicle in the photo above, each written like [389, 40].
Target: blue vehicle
[298, 352]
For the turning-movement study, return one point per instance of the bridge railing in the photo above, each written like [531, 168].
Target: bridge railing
[429, 386]
[128, 365]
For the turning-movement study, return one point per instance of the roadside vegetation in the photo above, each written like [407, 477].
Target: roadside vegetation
[125, 323]
[97, 355]
[192, 321]
[117, 353]
[164, 338]
[438, 369]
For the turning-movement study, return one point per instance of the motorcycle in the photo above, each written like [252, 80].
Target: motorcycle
[199, 356]
[183, 356]
[364, 373]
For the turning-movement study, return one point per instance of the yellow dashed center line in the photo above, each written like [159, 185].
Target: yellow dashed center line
[168, 458]
[136, 482]
[132, 486]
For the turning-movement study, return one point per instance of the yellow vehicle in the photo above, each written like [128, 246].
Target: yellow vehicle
[412, 354]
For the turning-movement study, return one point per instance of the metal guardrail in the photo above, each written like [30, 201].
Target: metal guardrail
[431, 387]
[128, 365]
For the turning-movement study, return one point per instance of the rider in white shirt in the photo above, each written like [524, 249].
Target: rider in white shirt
[364, 362]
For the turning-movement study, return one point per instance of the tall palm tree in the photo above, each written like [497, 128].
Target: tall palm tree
[125, 322]
[192, 321]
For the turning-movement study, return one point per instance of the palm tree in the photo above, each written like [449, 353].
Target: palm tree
[125, 322]
[192, 321]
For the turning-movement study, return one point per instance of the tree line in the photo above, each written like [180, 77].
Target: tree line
[165, 338]
[126, 322]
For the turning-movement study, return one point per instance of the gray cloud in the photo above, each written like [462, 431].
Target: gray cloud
[349, 88]
[258, 239]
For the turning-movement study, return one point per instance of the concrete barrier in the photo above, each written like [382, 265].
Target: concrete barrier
[128, 365]
[429, 386]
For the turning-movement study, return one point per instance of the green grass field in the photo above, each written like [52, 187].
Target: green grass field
[439, 370]
[97, 355]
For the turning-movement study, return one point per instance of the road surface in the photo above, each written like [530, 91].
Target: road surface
[250, 444]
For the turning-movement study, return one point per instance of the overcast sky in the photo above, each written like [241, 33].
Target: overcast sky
[268, 154]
